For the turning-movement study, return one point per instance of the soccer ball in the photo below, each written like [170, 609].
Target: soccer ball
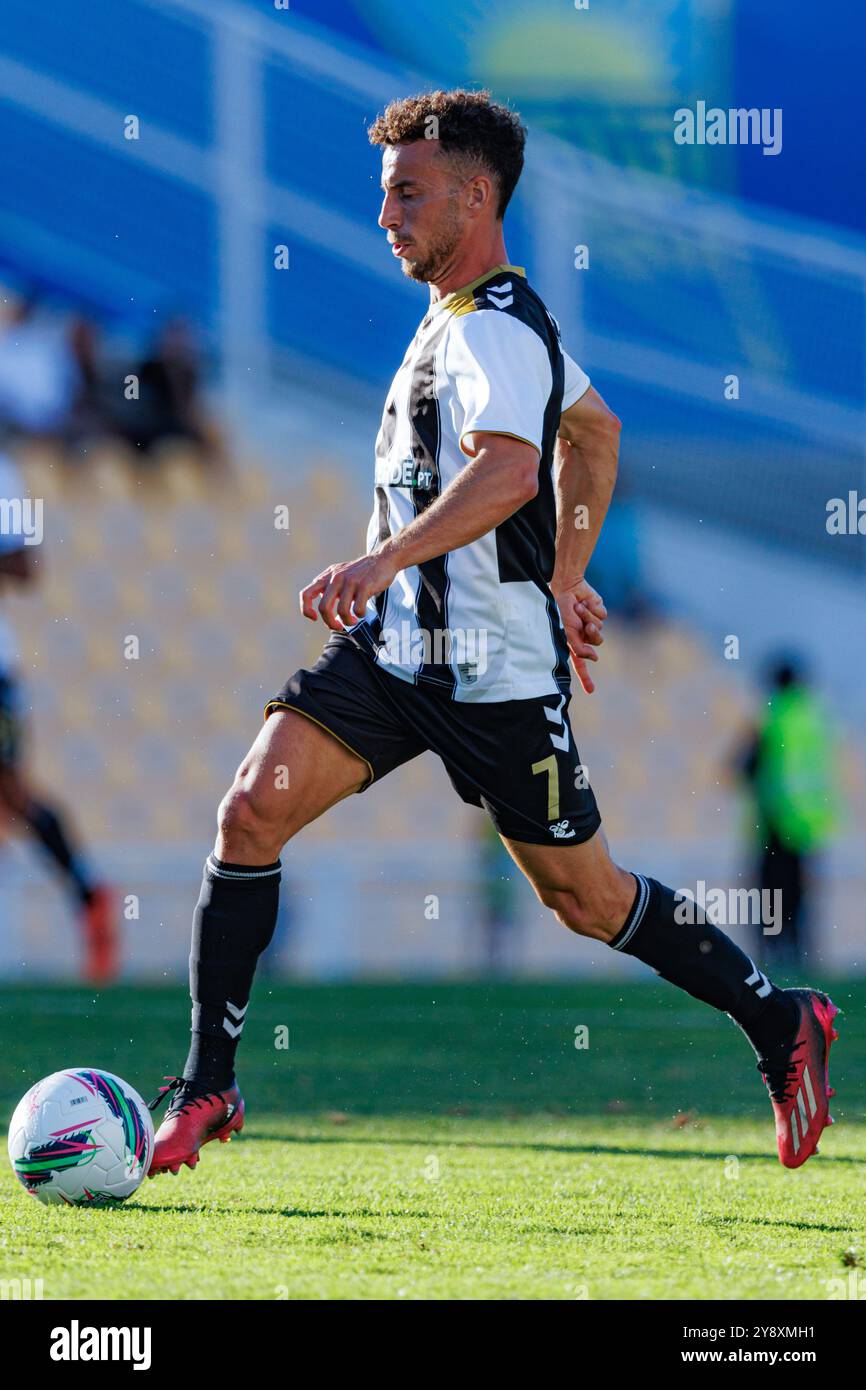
[81, 1136]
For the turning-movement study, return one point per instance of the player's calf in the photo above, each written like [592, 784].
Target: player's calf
[580, 883]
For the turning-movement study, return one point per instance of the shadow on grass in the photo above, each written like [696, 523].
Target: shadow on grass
[790, 1225]
[368, 1213]
[223, 1208]
[531, 1146]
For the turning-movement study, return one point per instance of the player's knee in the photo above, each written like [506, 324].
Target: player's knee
[247, 825]
[597, 913]
[575, 913]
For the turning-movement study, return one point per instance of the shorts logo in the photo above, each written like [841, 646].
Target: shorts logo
[560, 830]
[556, 716]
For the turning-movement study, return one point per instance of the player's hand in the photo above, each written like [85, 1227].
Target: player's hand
[340, 594]
[583, 613]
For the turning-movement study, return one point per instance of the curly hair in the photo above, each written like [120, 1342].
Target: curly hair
[468, 125]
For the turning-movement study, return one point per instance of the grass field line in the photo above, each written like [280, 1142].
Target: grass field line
[621, 1020]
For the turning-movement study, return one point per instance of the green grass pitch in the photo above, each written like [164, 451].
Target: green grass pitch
[451, 1141]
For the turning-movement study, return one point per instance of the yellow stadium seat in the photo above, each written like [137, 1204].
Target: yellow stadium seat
[107, 474]
[43, 467]
[252, 483]
[104, 653]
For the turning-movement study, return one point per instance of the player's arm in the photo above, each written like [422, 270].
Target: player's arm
[586, 468]
[585, 475]
[501, 476]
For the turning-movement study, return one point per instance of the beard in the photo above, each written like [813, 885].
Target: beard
[438, 252]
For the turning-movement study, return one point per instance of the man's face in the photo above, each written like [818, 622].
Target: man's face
[421, 211]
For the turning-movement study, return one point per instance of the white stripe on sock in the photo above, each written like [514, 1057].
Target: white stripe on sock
[219, 872]
[643, 899]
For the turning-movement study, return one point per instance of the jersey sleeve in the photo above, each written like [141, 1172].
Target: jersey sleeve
[501, 376]
[576, 382]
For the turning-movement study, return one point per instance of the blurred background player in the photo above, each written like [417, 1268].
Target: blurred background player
[498, 907]
[788, 764]
[21, 806]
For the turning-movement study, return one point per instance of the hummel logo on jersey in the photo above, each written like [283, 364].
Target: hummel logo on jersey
[560, 830]
[234, 1029]
[501, 297]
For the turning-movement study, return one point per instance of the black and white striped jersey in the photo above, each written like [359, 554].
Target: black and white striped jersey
[479, 622]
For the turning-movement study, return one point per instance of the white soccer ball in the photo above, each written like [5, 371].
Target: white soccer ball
[81, 1136]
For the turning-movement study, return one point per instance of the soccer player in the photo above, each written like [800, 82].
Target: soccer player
[20, 803]
[453, 634]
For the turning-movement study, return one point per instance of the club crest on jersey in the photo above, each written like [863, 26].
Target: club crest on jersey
[560, 830]
[404, 473]
[468, 672]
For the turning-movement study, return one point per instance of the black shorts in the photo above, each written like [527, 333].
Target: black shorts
[515, 758]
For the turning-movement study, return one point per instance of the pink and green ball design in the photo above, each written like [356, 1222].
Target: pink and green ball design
[81, 1137]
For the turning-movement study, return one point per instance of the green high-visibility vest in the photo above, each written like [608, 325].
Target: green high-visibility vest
[795, 780]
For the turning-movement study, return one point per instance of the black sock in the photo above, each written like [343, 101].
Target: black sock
[51, 833]
[233, 923]
[704, 962]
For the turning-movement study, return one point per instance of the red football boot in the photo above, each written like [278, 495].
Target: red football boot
[194, 1117]
[798, 1079]
[101, 938]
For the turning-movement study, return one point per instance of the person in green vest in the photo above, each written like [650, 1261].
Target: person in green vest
[789, 765]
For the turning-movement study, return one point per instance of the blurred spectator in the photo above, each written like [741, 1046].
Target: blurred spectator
[89, 417]
[788, 763]
[169, 404]
[38, 373]
[54, 386]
